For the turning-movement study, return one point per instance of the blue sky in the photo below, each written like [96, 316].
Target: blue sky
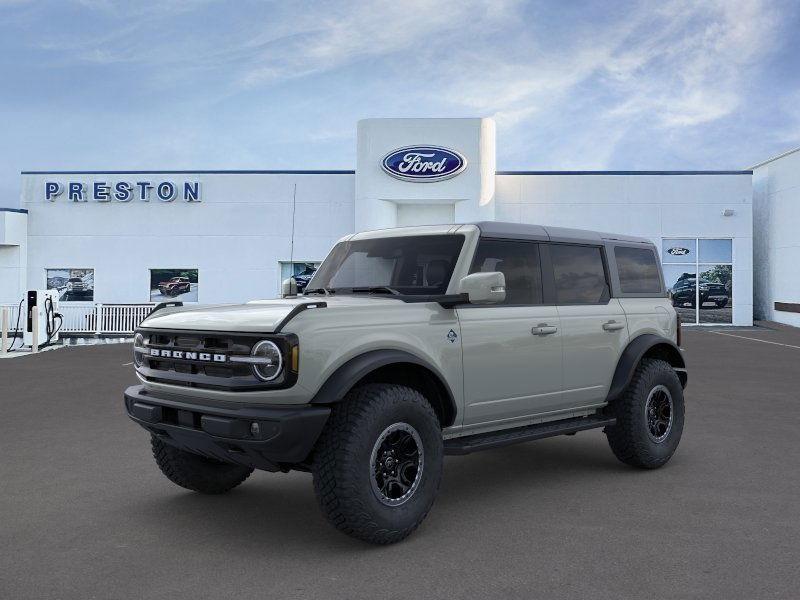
[194, 84]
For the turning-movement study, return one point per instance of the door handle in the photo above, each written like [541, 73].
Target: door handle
[543, 329]
[612, 325]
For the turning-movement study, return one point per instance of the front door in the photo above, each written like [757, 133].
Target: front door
[512, 351]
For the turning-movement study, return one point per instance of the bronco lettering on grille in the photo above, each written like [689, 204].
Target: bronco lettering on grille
[182, 354]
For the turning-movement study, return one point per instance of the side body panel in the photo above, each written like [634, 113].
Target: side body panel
[594, 337]
[509, 373]
[650, 315]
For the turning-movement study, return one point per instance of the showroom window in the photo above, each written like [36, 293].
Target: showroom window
[302, 271]
[707, 298]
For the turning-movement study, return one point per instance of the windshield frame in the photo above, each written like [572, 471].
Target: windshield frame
[453, 244]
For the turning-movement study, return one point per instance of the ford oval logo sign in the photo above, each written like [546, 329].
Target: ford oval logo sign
[423, 163]
[678, 251]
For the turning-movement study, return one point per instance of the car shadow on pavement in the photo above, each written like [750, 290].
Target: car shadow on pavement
[280, 510]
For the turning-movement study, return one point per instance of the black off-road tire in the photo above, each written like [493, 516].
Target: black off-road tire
[629, 438]
[195, 472]
[342, 465]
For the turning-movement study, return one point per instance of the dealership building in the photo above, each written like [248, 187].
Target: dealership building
[137, 237]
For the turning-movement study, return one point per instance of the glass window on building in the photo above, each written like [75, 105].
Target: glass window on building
[302, 271]
[699, 275]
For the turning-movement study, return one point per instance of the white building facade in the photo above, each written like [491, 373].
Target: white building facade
[231, 236]
[776, 197]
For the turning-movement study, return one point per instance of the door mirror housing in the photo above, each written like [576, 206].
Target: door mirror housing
[288, 287]
[484, 288]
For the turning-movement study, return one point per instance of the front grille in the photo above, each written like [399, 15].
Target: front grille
[191, 372]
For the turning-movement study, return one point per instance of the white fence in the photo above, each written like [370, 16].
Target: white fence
[91, 318]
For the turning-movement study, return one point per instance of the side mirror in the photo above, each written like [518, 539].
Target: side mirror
[288, 287]
[484, 288]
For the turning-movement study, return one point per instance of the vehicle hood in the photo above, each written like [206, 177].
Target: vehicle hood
[259, 316]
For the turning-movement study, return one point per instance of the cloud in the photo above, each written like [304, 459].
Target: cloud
[335, 34]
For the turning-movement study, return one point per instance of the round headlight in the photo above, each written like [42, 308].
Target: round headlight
[271, 364]
[138, 342]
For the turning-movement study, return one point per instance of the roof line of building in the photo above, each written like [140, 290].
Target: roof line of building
[781, 155]
[337, 172]
[742, 172]
[16, 210]
[198, 172]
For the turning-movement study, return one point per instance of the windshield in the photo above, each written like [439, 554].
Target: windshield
[420, 264]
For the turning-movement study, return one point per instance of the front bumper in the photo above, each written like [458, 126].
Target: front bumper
[284, 435]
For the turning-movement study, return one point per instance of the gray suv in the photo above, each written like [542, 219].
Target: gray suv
[410, 344]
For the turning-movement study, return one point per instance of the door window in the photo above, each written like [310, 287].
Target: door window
[518, 262]
[580, 277]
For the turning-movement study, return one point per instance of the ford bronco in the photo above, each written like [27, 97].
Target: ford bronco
[175, 286]
[410, 344]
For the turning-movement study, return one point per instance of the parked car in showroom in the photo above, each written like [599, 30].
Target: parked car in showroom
[175, 286]
[410, 344]
[685, 292]
[304, 277]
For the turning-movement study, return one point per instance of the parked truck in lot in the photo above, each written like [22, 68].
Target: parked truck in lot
[410, 344]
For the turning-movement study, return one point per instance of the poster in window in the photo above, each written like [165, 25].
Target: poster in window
[73, 285]
[173, 284]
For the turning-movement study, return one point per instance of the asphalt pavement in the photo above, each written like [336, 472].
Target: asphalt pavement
[85, 513]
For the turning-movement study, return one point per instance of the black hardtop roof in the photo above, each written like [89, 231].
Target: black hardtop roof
[500, 229]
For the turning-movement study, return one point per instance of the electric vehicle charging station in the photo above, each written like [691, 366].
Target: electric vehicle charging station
[42, 319]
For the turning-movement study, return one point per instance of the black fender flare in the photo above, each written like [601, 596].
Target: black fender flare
[633, 354]
[354, 370]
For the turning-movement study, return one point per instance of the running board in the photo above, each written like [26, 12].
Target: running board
[505, 437]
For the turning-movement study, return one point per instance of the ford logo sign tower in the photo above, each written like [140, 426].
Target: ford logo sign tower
[423, 163]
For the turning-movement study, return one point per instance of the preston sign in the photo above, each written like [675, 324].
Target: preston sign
[122, 191]
[423, 163]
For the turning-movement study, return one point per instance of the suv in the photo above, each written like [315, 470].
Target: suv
[304, 277]
[77, 286]
[411, 344]
[175, 286]
[684, 292]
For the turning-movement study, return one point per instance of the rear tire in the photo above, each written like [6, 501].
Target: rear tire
[195, 472]
[378, 463]
[649, 416]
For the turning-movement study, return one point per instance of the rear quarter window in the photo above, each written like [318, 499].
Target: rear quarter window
[638, 270]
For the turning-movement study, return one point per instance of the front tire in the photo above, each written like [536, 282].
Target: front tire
[378, 463]
[649, 416]
[195, 472]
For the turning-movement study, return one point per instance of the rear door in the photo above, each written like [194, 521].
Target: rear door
[511, 351]
[594, 327]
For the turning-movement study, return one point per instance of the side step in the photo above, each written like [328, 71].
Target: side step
[505, 437]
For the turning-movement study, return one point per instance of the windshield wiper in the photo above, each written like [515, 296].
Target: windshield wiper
[375, 289]
[322, 290]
